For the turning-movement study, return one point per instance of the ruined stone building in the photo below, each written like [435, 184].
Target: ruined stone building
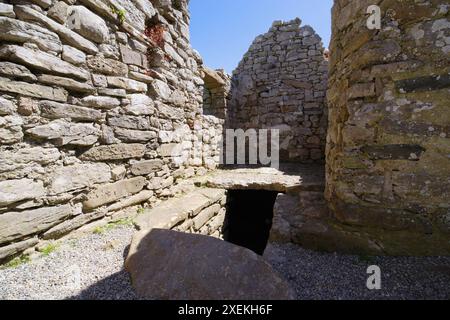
[281, 84]
[106, 109]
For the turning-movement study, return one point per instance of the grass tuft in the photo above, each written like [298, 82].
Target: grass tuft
[14, 263]
[114, 225]
[120, 14]
[52, 247]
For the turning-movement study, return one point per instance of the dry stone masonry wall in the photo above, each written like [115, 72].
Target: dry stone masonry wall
[105, 107]
[100, 110]
[388, 150]
[202, 211]
[281, 84]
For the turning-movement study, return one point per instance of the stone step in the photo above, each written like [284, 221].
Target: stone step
[169, 213]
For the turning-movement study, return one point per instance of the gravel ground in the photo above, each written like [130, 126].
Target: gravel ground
[318, 276]
[97, 261]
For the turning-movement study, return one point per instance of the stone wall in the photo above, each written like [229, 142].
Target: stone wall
[281, 84]
[388, 168]
[100, 110]
[199, 211]
[208, 221]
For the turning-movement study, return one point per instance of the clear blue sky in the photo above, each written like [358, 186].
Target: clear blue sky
[223, 30]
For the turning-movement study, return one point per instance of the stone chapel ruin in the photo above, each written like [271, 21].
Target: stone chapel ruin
[107, 111]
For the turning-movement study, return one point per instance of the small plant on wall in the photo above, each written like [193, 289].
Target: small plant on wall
[120, 14]
[155, 32]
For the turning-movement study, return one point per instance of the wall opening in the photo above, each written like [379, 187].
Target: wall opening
[248, 218]
[215, 92]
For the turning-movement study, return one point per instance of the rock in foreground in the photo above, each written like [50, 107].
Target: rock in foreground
[169, 265]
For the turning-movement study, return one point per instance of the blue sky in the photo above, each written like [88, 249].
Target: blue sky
[222, 30]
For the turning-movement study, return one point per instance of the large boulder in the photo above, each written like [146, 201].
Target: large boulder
[169, 265]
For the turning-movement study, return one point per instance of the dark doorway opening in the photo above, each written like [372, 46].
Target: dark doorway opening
[249, 218]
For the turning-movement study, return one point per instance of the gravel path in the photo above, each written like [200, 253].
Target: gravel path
[97, 262]
[318, 276]
[95, 259]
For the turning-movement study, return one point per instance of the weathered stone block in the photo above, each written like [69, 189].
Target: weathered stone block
[127, 84]
[146, 167]
[62, 132]
[140, 104]
[118, 93]
[26, 156]
[168, 112]
[18, 31]
[13, 70]
[107, 66]
[170, 150]
[67, 226]
[33, 90]
[139, 198]
[7, 10]
[100, 102]
[79, 176]
[118, 173]
[140, 77]
[12, 191]
[17, 247]
[205, 215]
[130, 122]
[160, 89]
[361, 90]
[43, 3]
[42, 61]
[55, 110]
[159, 183]
[128, 135]
[67, 83]
[218, 221]
[72, 38]
[112, 192]
[59, 12]
[6, 107]
[114, 152]
[73, 55]
[27, 106]
[173, 54]
[169, 213]
[132, 57]
[10, 129]
[88, 24]
[17, 225]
